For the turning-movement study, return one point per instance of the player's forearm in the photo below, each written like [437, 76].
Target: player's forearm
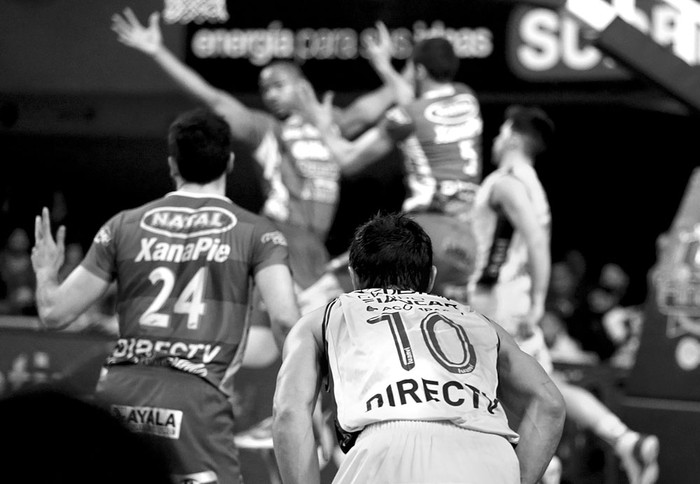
[47, 301]
[540, 431]
[295, 446]
[341, 149]
[401, 90]
[366, 111]
[540, 264]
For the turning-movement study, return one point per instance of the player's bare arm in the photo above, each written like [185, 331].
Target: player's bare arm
[380, 52]
[149, 40]
[353, 156]
[509, 194]
[527, 390]
[277, 289]
[298, 384]
[60, 304]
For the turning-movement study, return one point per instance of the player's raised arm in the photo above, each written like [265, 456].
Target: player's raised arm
[354, 155]
[149, 40]
[380, 52]
[510, 195]
[59, 304]
[368, 109]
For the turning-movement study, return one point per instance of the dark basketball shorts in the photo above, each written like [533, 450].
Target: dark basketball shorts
[186, 418]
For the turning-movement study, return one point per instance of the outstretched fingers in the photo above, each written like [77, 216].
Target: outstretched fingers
[131, 18]
[46, 225]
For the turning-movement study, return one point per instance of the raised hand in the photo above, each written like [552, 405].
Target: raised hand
[317, 113]
[381, 49]
[47, 254]
[147, 39]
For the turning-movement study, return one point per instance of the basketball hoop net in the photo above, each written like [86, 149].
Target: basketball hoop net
[197, 11]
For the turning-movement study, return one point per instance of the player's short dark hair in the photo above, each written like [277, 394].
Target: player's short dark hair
[288, 66]
[200, 143]
[438, 57]
[534, 124]
[392, 251]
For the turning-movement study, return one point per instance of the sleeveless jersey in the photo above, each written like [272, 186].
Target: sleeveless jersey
[302, 175]
[443, 157]
[183, 266]
[502, 252]
[403, 355]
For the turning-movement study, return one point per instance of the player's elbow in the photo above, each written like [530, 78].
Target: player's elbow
[51, 318]
[552, 405]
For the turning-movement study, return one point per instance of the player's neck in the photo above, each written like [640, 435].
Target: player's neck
[514, 157]
[430, 88]
[216, 187]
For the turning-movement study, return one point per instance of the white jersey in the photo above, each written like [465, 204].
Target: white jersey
[404, 355]
[501, 251]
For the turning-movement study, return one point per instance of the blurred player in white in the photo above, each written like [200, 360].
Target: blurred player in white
[511, 221]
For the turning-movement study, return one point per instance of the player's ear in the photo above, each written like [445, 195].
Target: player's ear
[172, 164]
[433, 275]
[355, 280]
[229, 166]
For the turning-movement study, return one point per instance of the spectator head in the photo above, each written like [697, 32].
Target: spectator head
[392, 252]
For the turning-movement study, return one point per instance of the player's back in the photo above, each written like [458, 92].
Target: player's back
[502, 253]
[404, 355]
[183, 265]
[448, 128]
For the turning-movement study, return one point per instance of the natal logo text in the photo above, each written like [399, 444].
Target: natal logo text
[183, 223]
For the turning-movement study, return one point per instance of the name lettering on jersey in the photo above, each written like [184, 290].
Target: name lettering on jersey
[189, 357]
[162, 422]
[453, 392]
[210, 249]
[403, 301]
[455, 110]
[460, 132]
[185, 223]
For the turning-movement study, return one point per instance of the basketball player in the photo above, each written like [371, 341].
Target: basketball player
[439, 133]
[183, 265]
[419, 380]
[511, 221]
[301, 174]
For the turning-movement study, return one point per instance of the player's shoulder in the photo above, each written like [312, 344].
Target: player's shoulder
[461, 88]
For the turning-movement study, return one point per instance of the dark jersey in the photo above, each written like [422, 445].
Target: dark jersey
[183, 266]
[443, 152]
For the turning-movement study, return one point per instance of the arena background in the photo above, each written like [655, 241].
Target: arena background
[82, 114]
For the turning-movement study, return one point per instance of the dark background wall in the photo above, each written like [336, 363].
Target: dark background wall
[83, 114]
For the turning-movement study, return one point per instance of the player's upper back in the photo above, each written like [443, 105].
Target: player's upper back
[448, 127]
[501, 251]
[410, 355]
[182, 265]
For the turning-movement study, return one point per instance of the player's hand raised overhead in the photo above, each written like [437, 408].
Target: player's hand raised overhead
[131, 32]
